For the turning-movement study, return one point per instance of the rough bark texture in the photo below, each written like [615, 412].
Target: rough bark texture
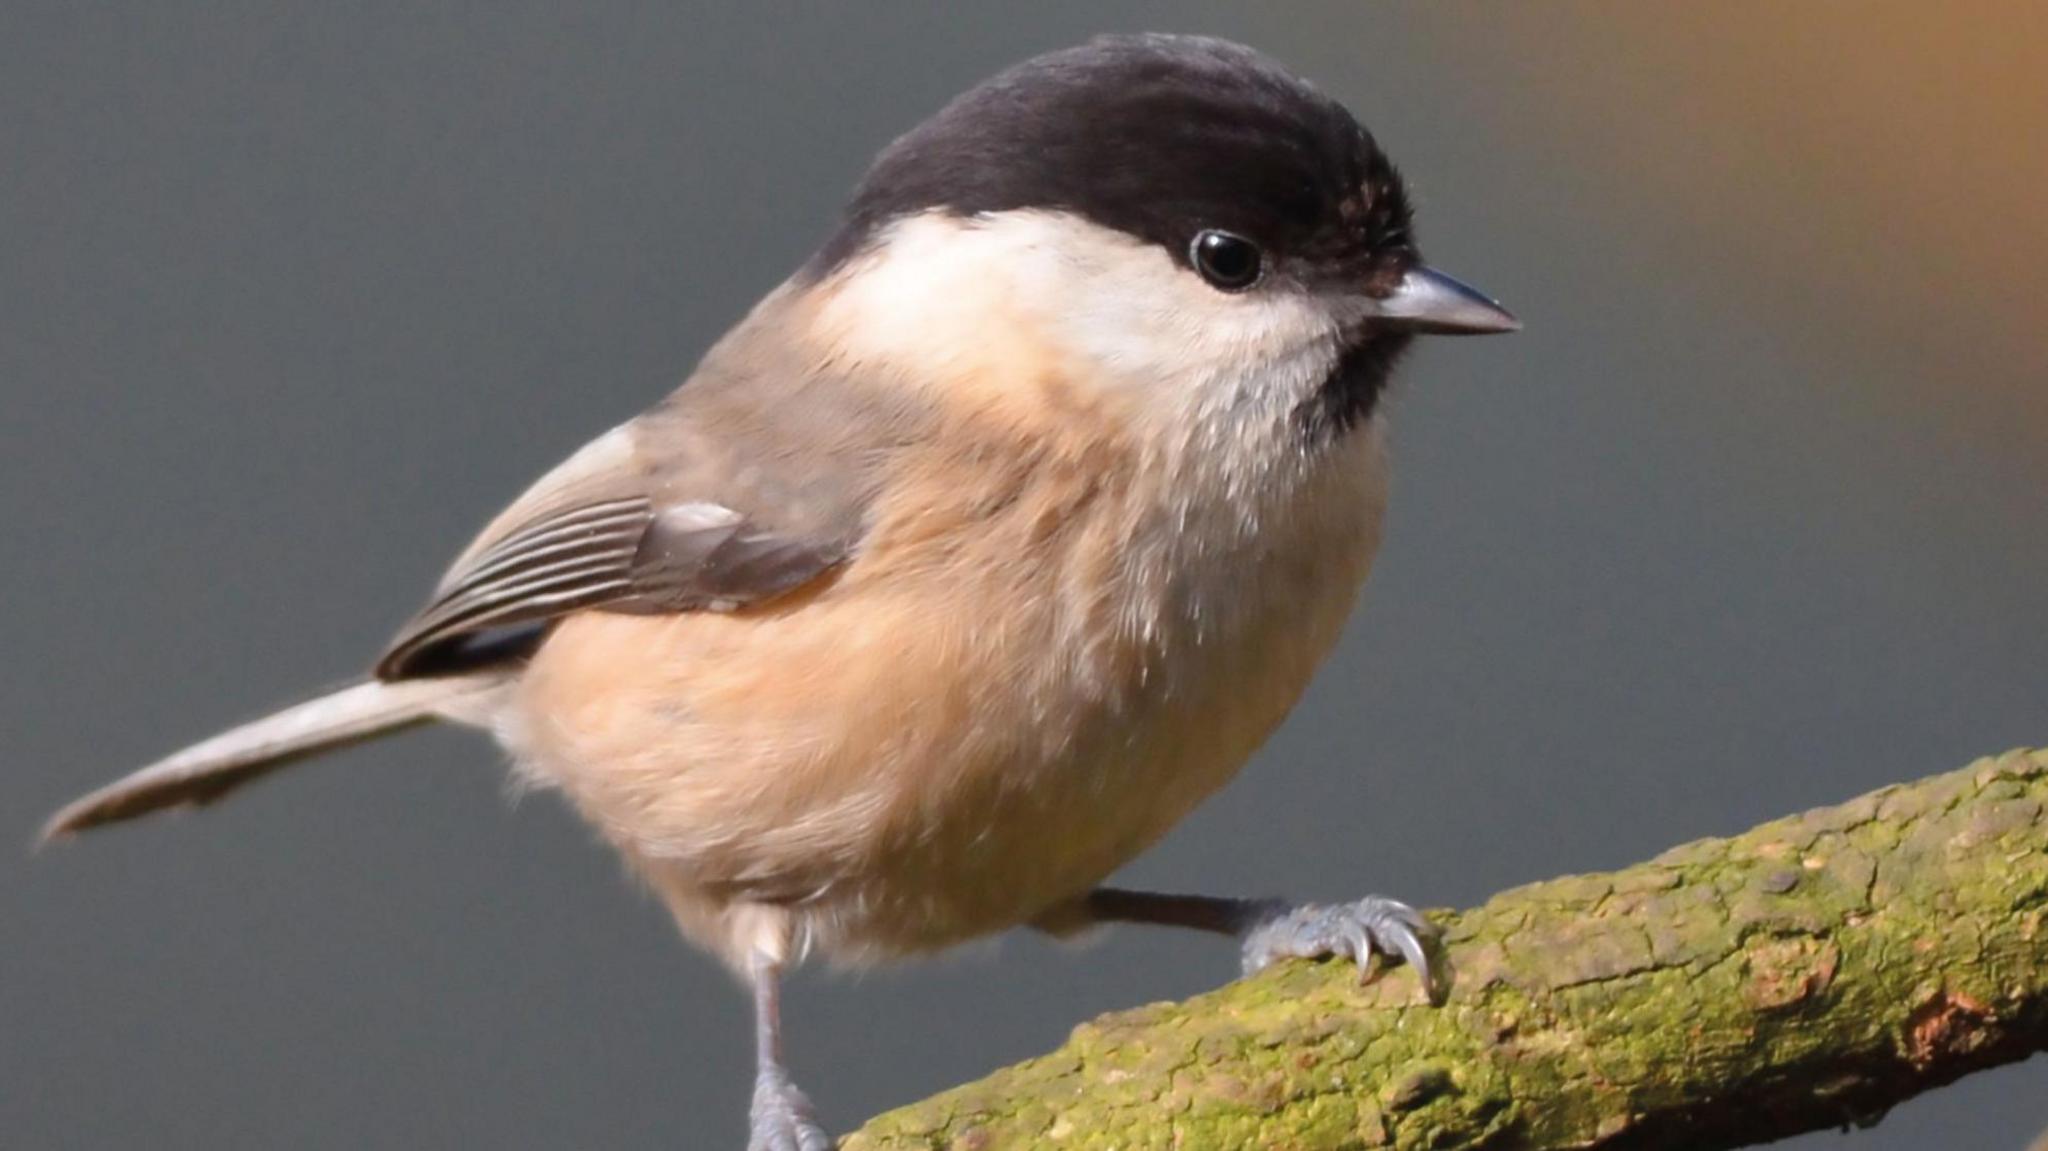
[1811, 973]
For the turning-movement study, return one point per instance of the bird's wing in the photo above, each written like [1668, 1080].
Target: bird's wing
[611, 529]
[726, 495]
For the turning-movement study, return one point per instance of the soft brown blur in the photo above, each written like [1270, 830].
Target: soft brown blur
[1892, 157]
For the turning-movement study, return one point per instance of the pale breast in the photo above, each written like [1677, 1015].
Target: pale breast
[1022, 683]
[1094, 580]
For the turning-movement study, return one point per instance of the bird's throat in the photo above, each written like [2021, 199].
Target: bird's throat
[1351, 393]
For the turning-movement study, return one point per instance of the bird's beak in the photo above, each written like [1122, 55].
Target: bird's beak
[1427, 301]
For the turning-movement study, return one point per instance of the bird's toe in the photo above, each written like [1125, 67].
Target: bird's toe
[1361, 930]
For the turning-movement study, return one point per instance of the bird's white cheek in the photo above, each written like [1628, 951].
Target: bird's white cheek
[977, 302]
[1217, 361]
[1146, 323]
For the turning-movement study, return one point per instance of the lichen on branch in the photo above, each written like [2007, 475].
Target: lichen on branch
[1810, 973]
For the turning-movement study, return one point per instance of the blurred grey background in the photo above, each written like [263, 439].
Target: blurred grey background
[293, 296]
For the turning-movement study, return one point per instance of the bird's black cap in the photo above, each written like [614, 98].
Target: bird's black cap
[1159, 137]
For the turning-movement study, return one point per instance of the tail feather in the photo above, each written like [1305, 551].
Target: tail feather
[204, 772]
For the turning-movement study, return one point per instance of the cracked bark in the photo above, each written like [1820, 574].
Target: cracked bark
[1811, 973]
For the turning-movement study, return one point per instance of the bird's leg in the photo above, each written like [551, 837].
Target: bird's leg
[782, 1119]
[1273, 929]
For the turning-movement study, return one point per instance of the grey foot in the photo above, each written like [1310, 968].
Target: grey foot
[782, 1118]
[1373, 926]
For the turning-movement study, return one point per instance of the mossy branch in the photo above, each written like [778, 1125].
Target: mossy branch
[1811, 973]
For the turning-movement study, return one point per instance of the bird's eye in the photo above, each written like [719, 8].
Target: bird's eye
[1227, 261]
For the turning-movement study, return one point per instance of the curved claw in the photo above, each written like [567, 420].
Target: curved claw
[1373, 926]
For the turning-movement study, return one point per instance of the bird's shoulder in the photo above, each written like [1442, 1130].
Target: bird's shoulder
[748, 481]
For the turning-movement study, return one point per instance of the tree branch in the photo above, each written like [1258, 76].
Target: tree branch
[1811, 973]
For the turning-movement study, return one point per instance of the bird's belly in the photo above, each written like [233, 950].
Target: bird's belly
[905, 768]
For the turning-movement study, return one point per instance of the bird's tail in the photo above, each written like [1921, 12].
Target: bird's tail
[206, 771]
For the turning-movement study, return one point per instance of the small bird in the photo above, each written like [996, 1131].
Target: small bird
[982, 550]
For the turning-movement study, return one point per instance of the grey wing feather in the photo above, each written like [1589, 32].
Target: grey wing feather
[748, 482]
[573, 559]
[601, 533]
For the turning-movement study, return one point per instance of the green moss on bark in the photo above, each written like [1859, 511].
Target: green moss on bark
[1810, 973]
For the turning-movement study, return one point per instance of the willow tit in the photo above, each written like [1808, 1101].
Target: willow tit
[980, 552]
